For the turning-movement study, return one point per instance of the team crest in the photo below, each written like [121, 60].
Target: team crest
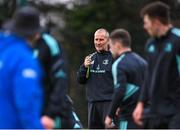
[105, 62]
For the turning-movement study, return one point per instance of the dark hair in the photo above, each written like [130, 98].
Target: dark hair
[25, 22]
[121, 35]
[157, 10]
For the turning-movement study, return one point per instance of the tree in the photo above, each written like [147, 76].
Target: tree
[7, 7]
[81, 19]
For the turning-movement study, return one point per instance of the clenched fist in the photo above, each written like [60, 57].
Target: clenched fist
[87, 61]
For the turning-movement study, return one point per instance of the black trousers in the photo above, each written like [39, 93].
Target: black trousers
[70, 122]
[97, 111]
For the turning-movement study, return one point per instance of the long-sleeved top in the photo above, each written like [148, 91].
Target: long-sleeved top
[98, 77]
[162, 84]
[21, 95]
[128, 74]
[51, 56]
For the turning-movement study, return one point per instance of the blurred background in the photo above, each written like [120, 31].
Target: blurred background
[73, 23]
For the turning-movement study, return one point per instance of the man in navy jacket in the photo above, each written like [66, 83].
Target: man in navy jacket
[161, 90]
[58, 111]
[95, 72]
[128, 73]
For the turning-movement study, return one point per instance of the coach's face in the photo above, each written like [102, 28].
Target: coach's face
[100, 41]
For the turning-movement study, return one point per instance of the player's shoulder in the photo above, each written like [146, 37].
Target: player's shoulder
[176, 32]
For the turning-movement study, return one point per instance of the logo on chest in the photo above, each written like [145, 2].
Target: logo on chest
[168, 47]
[105, 62]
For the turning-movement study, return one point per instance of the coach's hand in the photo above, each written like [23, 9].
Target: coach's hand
[87, 61]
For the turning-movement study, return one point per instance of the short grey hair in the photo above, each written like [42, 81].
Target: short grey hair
[102, 30]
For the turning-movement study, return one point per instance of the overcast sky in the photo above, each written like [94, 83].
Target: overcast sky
[57, 1]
